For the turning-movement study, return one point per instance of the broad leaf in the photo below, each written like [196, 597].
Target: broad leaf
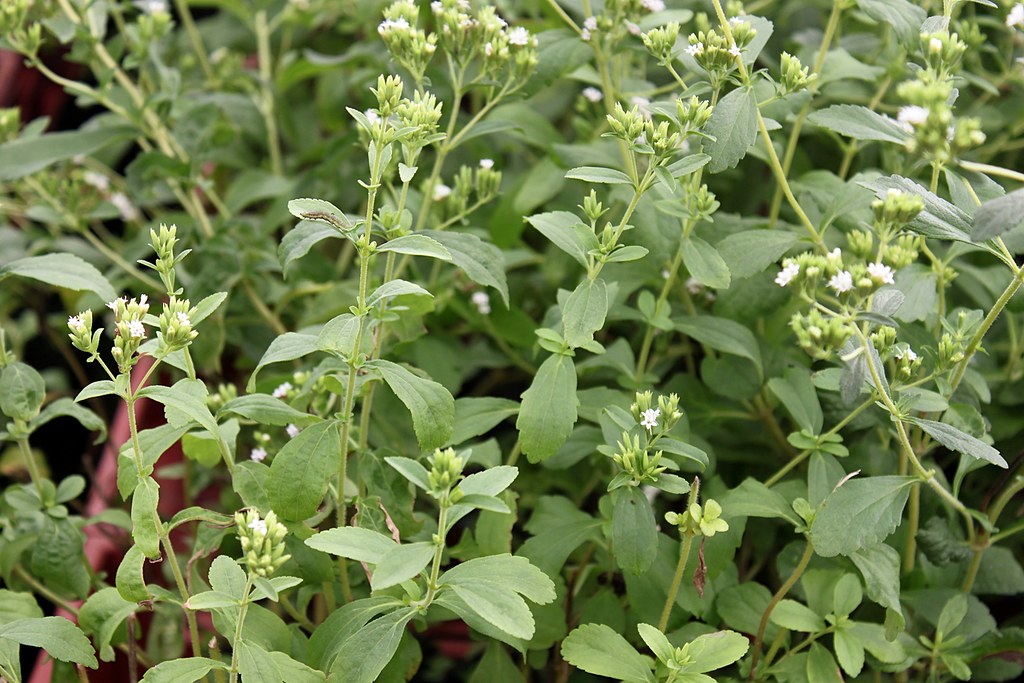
[584, 312]
[634, 531]
[61, 270]
[186, 670]
[481, 261]
[734, 127]
[548, 411]
[705, 263]
[303, 469]
[431, 405]
[25, 156]
[723, 335]
[598, 649]
[59, 637]
[876, 503]
[859, 123]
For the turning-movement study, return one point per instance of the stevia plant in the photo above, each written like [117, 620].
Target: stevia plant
[739, 280]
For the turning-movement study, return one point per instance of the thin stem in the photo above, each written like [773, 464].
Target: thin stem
[677, 579]
[794, 137]
[193, 35]
[565, 17]
[33, 469]
[179, 580]
[779, 594]
[913, 520]
[993, 170]
[44, 591]
[238, 630]
[780, 174]
[272, 319]
[986, 324]
[266, 90]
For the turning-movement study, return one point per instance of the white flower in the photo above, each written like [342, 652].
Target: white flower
[258, 454]
[882, 273]
[893, 194]
[665, 274]
[144, 300]
[137, 329]
[282, 390]
[693, 285]
[372, 117]
[151, 6]
[735, 50]
[441, 191]
[935, 45]
[1016, 16]
[519, 36]
[643, 104]
[836, 255]
[912, 115]
[487, 164]
[653, 5]
[112, 305]
[436, 7]
[97, 180]
[259, 526]
[76, 323]
[593, 94]
[292, 431]
[482, 302]
[125, 206]
[389, 25]
[695, 49]
[488, 49]
[633, 29]
[585, 34]
[590, 24]
[183, 318]
[650, 418]
[907, 353]
[841, 282]
[788, 272]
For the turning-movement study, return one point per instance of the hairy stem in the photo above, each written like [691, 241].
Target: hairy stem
[779, 594]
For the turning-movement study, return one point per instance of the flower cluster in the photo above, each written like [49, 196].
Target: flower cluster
[706, 521]
[444, 474]
[661, 416]
[715, 53]
[262, 542]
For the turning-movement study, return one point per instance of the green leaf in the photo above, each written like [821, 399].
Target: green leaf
[266, 410]
[584, 312]
[288, 346]
[57, 557]
[634, 531]
[417, 245]
[257, 665]
[879, 564]
[502, 608]
[876, 503]
[939, 220]
[338, 336]
[904, 17]
[722, 335]
[657, 641]
[482, 262]
[102, 387]
[60, 638]
[821, 667]
[186, 670]
[475, 416]
[22, 391]
[101, 615]
[299, 240]
[733, 124]
[516, 574]
[714, 650]
[753, 499]
[705, 263]
[227, 577]
[431, 405]
[355, 543]
[557, 226]
[208, 600]
[997, 216]
[687, 165]
[411, 470]
[548, 410]
[321, 211]
[598, 174]
[61, 270]
[859, 123]
[179, 397]
[145, 531]
[956, 440]
[340, 625]
[25, 156]
[598, 649]
[796, 391]
[952, 614]
[362, 657]
[752, 251]
[302, 470]
[130, 580]
[849, 652]
[847, 595]
[401, 563]
[796, 617]
[393, 288]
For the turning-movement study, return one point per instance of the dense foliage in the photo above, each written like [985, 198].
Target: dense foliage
[659, 341]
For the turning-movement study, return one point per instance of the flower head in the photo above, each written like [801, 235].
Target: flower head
[912, 116]
[881, 273]
[259, 526]
[76, 323]
[137, 329]
[787, 274]
[841, 282]
[1016, 16]
[258, 454]
[735, 50]
[482, 302]
[519, 36]
[282, 389]
[653, 5]
[292, 431]
[593, 94]
[650, 418]
[487, 164]
[695, 50]
[441, 191]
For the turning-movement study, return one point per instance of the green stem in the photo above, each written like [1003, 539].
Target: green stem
[677, 579]
[913, 520]
[794, 137]
[993, 170]
[179, 580]
[266, 90]
[779, 594]
[238, 630]
[30, 463]
[435, 567]
[193, 35]
[986, 324]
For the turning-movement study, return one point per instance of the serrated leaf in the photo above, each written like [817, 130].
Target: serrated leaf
[557, 226]
[320, 210]
[584, 312]
[961, 442]
[475, 416]
[288, 346]
[22, 391]
[634, 530]
[185, 670]
[598, 174]
[299, 240]
[723, 335]
[417, 245]
[431, 405]
[364, 655]
[302, 470]
[401, 563]
[997, 216]
[859, 123]
[59, 637]
[61, 270]
[481, 261]
[267, 410]
[25, 156]
[876, 503]
[393, 288]
[752, 251]
[733, 125]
